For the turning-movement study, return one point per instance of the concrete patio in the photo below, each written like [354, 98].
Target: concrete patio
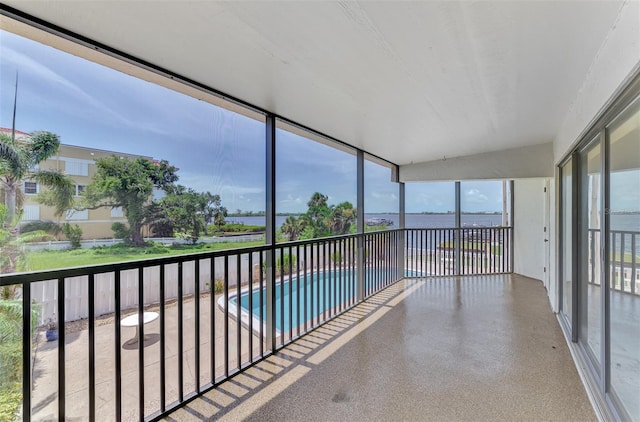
[45, 391]
[459, 348]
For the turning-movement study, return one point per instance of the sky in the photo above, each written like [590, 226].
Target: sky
[216, 150]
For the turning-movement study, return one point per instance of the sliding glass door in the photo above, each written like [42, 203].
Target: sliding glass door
[623, 136]
[599, 267]
[590, 299]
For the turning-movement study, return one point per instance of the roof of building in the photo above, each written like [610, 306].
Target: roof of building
[8, 130]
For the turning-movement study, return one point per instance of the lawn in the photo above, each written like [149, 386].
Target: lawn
[50, 259]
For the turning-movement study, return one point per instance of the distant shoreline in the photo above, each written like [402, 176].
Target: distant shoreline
[261, 214]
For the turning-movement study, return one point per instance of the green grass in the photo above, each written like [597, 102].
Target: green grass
[48, 260]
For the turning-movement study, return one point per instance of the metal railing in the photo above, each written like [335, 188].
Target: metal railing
[210, 315]
[459, 251]
[624, 260]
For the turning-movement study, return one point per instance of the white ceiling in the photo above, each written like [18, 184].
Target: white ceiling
[407, 81]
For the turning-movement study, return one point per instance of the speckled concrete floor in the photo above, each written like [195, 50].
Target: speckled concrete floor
[448, 349]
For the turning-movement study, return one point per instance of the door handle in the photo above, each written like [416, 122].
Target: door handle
[546, 240]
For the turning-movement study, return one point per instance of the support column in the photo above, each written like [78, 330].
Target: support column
[458, 232]
[402, 234]
[360, 225]
[270, 234]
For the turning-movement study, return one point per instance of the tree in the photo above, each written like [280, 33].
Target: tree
[317, 215]
[190, 212]
[293, 227]
[323, 220]
[12, 255]
[19, 159]
[343, 216]
[157, 219]
[128, 183]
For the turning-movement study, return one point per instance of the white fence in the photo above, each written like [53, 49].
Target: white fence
[45, 293]
[88, 244]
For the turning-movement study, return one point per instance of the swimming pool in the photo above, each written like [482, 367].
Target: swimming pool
[301, 300]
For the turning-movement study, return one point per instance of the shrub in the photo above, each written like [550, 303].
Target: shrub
[120, 231]
[238, 228]
[45, 226]
[218, 286]
[282, 265]
[73, 233]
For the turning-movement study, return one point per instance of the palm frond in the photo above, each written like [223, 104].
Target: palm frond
[43, 145]
[12, 160]
[62, 187]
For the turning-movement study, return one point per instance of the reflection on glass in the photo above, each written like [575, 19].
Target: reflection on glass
[624, 255]
[567, 239]
[590, 320]
[380, 197]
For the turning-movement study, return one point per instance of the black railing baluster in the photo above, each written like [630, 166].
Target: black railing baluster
[118, 345]
[226, 316]
[163, 380]
[250, 287]
[26, 351]
[315, 284]
[261, 298]
[180, 336]
[282, 298]
[324, 280]
[62, 392]
[238, 314]
[196, 318]
[141, 343]
[305, 281]
[290, 271]
[92, 348]
[212, 318]
[297, 290]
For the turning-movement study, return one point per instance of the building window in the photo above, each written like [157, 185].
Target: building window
[76, 168]
[31, 213]
[79, 190]
[117, 212]
[77, 215]
[30, 188]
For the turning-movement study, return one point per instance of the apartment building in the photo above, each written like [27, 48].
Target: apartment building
[79, 164]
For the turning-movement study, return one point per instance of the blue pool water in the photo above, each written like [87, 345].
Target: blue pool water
[314, 294]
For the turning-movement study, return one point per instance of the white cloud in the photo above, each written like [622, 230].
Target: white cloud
[475, 196]
[384, 196]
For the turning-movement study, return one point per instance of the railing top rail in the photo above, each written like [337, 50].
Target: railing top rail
[461, 228]
[618, 231]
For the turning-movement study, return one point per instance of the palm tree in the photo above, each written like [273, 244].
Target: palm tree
[292, 227]
[343, 215]
[19, 159]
